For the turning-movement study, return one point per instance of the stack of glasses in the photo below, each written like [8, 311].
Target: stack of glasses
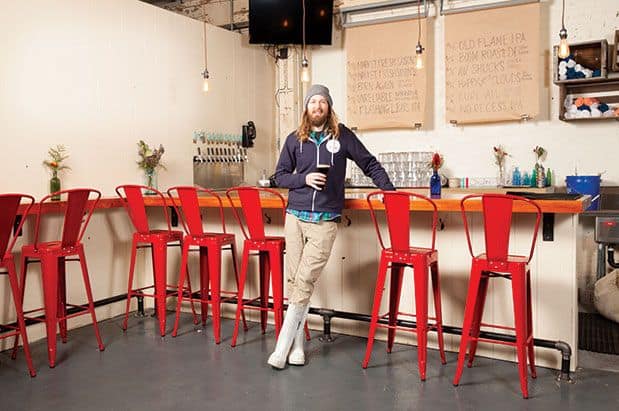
[405, 169]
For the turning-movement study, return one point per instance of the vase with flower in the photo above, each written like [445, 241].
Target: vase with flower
[435, 180]
[499, 159]
[57, 155]
[540, 172]
[150, 162]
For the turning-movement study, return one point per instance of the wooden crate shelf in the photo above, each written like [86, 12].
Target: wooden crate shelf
[592, 55]
[607, 92]
[614, 60]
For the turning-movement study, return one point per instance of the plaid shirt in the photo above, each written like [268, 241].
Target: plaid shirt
[314, 216]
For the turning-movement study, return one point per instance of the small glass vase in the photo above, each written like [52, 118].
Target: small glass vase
[54, 186]
[501, 178]
[150, 180]
[435, 185]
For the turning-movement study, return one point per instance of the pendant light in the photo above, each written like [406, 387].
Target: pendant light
[564, 48]
[205, 75]
[419, 48]
[305, 74]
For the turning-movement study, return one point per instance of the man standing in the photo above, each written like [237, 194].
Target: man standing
[312, 165]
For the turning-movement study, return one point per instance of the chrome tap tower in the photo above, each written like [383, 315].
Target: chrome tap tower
[220, 162]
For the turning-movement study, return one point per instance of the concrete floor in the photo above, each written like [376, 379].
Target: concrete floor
[140, 371]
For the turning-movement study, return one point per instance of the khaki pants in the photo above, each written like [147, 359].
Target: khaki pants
[308, 246]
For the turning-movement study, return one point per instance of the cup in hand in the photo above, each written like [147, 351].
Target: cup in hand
[323, 169]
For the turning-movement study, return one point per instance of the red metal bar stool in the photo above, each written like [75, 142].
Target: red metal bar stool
[211, 245]
[498, 262]
[270, 250]
[9, 208]
[158, 241]
[80, 204]
[399, 255]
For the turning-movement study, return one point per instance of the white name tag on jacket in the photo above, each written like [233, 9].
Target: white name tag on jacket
[333, 146]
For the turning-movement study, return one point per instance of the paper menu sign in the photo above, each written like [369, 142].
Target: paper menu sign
[492, 64]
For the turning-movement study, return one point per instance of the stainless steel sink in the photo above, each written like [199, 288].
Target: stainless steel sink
[606, 228]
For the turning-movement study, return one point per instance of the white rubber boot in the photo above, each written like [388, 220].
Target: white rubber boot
[292, 322]
[297, 355]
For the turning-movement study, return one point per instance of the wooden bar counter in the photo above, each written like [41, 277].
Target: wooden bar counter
[355, 200]
[348, 281]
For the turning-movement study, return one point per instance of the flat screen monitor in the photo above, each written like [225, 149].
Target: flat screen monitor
[281, 21]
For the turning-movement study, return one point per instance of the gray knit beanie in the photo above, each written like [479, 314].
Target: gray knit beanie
[317, 90]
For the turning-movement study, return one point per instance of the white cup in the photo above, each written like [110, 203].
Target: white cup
[454, 182]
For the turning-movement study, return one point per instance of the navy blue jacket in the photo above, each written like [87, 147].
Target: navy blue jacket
[298, 159]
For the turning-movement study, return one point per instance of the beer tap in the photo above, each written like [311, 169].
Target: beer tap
[199, 157]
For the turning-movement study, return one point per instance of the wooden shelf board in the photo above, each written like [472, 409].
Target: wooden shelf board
[616, 118]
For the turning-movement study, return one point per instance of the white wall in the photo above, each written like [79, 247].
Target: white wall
[468, 149]
[97, 76]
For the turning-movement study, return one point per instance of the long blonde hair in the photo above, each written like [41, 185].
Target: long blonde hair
[332, 128]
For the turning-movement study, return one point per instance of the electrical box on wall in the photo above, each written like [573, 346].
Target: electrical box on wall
[249, 134]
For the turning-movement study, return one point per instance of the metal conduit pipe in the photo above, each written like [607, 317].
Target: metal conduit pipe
[563, 347]
[328, 314]
[72, 310]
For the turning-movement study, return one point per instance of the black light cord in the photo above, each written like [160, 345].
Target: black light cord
[563, 16]
[303, 23]
[205, 60]
[419, 21]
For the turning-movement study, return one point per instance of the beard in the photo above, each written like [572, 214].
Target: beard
[318, 118]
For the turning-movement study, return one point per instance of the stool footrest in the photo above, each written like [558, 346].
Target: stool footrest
[33, 311]
[14, 330]
[252, 300]
[195, 297]
[84, 310]
[405, 315]
[253, 307]
[196, 294]
[494, 341]
[431, 327]
[502, 327]
[168, 292]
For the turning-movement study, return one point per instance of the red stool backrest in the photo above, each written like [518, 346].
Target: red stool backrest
[9, 207]
[397, 210]
[497, 210]
[133, 200]
[79, 204]
[188, 207]
[252, 223]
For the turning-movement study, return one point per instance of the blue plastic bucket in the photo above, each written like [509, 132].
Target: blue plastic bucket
[585, 185]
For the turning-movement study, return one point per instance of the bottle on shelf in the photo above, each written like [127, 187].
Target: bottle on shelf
[526, 180]
[548, 178]
[516, 177]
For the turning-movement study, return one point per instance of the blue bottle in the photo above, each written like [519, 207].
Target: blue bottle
[516, 178]
[526, 180]
[435, 185]
[548, 178]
